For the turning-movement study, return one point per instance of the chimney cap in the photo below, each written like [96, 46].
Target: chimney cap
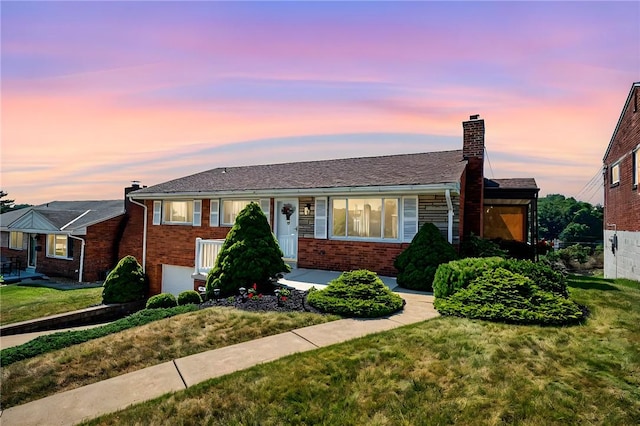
[474, 117]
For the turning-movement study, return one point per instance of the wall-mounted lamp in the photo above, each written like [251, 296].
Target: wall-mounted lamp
[307, 209]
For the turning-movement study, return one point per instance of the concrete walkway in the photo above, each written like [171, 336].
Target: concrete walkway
[74, 406]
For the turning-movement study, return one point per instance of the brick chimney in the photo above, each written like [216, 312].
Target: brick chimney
[473, 197]
[135, 185]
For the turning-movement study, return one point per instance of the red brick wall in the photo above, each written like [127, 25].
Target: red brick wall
[55, 267]
[21, 255]
[473, 189]
[622, 201]
[336, 255]
[101, 248]
[175, 244]
[132, 232]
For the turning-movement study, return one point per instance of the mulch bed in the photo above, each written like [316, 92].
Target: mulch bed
[295, 302]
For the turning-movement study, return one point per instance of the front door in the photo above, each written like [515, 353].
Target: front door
[33, 254]
[287, 227]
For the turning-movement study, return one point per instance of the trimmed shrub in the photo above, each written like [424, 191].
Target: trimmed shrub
[356, 294]
[458, 274]
[542, 275]
[162, 300]
[250, 255]
[502, 296]
[417, 264]
[63, 339]
[125, 283]
[189, 297]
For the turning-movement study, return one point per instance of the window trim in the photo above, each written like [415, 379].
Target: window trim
[20, 246]
[635, 170]
[615, 166]
[330, 216]
[66, 251]
[163, 221]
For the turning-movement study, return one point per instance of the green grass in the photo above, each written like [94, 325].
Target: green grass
[141, 347]
[21, 303]
[443, 371]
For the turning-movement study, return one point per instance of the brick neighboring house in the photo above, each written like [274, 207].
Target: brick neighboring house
[344, 214]
[622, 193]
[80, 240]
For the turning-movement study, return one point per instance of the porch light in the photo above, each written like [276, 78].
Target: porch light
[216, 292]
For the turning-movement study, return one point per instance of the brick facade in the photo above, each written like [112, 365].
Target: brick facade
[473, 152]
[622, 199]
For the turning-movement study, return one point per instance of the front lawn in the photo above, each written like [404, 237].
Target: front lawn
[142, 347]
[444, 371]
[21, 303]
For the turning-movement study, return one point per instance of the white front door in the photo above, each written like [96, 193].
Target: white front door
[287, 227]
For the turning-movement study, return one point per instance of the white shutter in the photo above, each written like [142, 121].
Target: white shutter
[157, 212]
[197, 212]
[409, 218]
[214, 213]
[265, 205]
[320, 222]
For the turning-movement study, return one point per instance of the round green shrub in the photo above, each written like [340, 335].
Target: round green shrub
[162, 300]
[457, 274]
[417, 265]
[125, 283]
[356, 294]
[542, 275]
[250, 255]
[503, 296]
[189, 297]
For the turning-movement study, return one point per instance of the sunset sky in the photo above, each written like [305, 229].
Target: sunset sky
[97, 94]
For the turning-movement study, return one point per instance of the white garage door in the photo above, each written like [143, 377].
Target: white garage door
[176, 279]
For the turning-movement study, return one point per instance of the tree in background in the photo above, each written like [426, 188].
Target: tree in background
[569, 220]
[9, 205]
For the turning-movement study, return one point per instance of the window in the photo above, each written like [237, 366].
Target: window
[231, 208]
[177, 212]
[635, 172]
[59, 246]
[615, 174]
[15, 240]
[370, 218]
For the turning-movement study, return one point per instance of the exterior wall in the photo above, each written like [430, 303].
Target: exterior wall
[68, 268]
[175, 244]
[622, 200]
[625, 262]
[101, 248]
[7, 253]
[132, 232]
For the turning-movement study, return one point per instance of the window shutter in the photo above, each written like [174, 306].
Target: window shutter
[214, 215]
[409, 218]
[157, 212]
[265, 205]
[197, 212]
[320, 222]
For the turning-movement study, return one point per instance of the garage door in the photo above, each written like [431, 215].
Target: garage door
[176, 279]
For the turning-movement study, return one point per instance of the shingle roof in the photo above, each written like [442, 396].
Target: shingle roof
[74, 214]
[512, 183]
[391, 170]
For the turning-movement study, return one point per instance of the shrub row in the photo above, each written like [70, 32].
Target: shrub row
[356, 294]
[51, 342]
[168, 300]
[456, 275]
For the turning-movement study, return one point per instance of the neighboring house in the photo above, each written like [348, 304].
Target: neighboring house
[622, 193]
[81, 240]
[333, 214]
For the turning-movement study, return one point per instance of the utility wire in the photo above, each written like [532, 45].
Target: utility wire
[486, 151]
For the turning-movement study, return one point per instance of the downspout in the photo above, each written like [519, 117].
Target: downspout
[447, 195]
[144, 234]
[81, 270]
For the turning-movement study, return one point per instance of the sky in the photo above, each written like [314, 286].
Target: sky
[97, 94]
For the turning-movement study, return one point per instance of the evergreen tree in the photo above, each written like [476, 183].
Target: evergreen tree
[250, 255]
[417, 265]
[125, 283]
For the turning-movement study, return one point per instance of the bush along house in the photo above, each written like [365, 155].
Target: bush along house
[81, 240]
[344, 214]
[621, 168]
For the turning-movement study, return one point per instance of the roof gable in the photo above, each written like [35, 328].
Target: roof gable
[33, 221]
[635, 86]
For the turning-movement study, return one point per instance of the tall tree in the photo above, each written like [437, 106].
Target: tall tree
[568, 219]
[5, 205]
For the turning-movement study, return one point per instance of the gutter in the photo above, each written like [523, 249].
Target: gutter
[144, 234]
[447, 194]
[395, 189]
[81, 256]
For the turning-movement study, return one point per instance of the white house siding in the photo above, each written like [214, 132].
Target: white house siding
[625, 263]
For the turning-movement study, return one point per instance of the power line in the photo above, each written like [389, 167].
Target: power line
[486, 151]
